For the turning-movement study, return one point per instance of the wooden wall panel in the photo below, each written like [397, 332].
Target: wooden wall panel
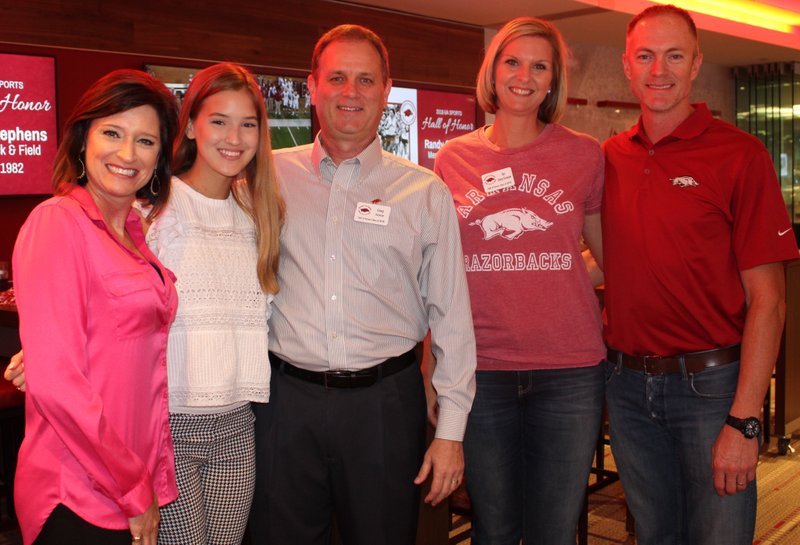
[270, 33]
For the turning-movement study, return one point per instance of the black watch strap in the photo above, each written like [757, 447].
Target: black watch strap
[750, 426]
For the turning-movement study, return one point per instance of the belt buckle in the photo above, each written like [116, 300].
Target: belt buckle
[646, 360]
[334, 375]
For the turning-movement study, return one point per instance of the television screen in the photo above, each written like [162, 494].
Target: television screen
[28, 136]
[287, 99]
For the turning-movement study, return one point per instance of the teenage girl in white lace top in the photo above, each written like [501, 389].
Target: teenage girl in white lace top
[220, 238]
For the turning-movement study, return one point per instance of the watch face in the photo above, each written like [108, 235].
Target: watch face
[752, 427]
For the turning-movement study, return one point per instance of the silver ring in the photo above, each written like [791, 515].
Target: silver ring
[740, 484]
[137, 539]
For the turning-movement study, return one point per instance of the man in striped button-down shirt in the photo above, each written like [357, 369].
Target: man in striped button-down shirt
[370, 260]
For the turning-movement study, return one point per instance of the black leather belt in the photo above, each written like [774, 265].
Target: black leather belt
[693, 361]
[346, 379]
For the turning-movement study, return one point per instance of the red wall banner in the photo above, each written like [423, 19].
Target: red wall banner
[441, 117]
[417, 122]
[28, 137]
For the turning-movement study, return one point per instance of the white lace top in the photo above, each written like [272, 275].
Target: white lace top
[217, 349]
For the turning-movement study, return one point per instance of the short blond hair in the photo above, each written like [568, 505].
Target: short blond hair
[554, 104]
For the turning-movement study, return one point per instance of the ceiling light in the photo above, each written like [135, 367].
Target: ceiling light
[748, 12]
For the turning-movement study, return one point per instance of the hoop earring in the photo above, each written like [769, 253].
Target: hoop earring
[82, 175]
[155, 185]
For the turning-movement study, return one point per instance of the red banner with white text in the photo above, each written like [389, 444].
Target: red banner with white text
[28, 138]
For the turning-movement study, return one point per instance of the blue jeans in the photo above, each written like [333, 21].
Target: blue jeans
[662, 431]
[528, 449]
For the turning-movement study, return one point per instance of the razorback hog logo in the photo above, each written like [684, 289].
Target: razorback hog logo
[684, 181]
[511, 223]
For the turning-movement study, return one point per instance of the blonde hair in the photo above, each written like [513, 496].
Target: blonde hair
[259, 196]
[554, 104]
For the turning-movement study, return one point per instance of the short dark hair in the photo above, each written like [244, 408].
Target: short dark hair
[351, 33]
[663, 9]
[116, 92]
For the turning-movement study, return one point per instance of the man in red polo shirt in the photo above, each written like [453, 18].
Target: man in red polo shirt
[695, 235]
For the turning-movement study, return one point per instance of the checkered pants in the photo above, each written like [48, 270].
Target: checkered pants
[215, 467]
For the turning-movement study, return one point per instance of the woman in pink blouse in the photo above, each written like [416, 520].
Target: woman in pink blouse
[95, 307]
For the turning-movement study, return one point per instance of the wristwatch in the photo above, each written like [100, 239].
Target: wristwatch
[750, 427]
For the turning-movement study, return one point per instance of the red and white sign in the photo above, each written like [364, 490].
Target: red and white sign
[441, 117]
[416, 123]
[28, 138]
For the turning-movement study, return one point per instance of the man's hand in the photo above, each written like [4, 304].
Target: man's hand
[446, 459]
[733, 459]
[15, 372]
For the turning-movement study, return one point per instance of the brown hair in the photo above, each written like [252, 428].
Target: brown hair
[353, 33]
[554, 104]
[663, 9]
[116, 92]
[666, 9]
[260, 196]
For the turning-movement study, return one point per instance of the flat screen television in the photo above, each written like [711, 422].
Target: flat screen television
[287, 99]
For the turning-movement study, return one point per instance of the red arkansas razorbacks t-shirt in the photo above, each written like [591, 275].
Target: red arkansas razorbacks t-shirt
[521, 213]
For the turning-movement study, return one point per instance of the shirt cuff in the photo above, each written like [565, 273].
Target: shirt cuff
[451, 425]
[138, 500]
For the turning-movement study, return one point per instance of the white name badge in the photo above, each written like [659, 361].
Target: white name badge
[376, 214]
[497, 180]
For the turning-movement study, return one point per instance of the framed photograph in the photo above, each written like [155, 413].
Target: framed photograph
[28, 124]
[287, 99]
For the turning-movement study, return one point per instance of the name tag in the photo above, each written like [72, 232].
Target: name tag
[497, 180]
[376, 214]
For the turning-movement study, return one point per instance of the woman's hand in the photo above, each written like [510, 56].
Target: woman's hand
[144, 528]
[15, 372]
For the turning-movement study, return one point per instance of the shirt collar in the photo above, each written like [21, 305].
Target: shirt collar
[79, 194]
[85, 200]
[691, 127]
[323, 165]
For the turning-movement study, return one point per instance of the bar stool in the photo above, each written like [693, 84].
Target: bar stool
[12, 429]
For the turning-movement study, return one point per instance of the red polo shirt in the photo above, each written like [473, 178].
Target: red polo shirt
[681, 219]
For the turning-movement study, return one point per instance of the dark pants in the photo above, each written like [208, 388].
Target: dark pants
[662, 430]
[351, 454]
[64, 527]
[529, 446]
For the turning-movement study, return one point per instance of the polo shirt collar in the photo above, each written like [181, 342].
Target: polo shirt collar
[692, 127]
[324, 167]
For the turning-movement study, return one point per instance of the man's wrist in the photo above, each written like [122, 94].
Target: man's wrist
[749, 427]
[451, 425]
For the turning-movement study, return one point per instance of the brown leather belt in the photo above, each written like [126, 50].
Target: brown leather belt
[346, 379]
[693, 361]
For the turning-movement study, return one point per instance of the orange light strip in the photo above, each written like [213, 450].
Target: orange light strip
[748, 12]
